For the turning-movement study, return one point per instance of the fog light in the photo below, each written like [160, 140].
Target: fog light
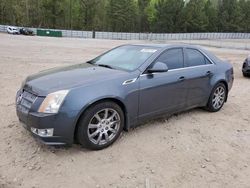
[42, 132]
[34, 130]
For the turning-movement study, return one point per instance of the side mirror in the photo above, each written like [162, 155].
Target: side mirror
[158, 67]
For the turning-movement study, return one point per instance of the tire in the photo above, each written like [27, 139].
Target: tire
[245, 74]
[100, 125]
[217, 98]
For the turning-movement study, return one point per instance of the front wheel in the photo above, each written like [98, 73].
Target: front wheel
[245, 74]
[217, 98]
[100, 125]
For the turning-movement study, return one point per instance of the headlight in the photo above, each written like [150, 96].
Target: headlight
[53, 102]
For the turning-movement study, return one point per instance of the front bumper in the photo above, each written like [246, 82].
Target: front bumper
[42, 122]
[246, 69]
[63, 124]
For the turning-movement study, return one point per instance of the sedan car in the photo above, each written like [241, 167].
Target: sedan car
[93, 102]
[246, 67]
[26, 31]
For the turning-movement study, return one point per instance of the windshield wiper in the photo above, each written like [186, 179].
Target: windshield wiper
[89, 62]
[106, 66]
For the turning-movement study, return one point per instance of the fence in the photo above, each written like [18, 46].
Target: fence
[206, 39]
[145, 36]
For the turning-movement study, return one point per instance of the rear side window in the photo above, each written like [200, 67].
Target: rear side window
[196, 58]
[172, 58]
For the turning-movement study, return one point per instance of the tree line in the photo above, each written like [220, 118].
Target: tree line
[160, 16]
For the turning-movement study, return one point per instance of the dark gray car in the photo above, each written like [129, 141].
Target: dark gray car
[91, 103]
[246, 67]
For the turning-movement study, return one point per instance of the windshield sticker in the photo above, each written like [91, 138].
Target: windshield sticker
[148, 50]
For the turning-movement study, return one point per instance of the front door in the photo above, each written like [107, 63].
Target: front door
[164, 92]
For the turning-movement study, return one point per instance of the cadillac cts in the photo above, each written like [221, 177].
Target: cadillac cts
[93, 102]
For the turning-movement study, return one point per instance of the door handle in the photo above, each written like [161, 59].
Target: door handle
[209, 73]
[182, 78]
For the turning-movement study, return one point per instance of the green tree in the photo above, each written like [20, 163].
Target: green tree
[99, 22]
[169, 16]
[6, 12]
[130, 15]
[195, 17]
[143, 6]
[212, 16]
[88, 11]
[229, 16]
[53, 13]
[121, 15]
[245, 15]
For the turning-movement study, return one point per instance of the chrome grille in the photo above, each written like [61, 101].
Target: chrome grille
[26, 101]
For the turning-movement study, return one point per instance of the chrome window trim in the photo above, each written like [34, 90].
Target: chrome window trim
[183, 68]
[173, 70]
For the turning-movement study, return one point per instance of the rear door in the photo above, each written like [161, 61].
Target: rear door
[200, 71]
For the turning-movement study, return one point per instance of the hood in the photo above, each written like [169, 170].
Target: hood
[52, 80]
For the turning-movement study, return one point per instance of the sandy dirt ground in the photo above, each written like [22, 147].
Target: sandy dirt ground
[192, 149]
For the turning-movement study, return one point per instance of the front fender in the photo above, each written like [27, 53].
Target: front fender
[79, 99]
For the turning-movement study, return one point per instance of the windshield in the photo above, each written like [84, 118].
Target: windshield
[125, 57]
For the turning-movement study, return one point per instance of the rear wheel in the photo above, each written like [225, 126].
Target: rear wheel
[100, 125]
[217, 98]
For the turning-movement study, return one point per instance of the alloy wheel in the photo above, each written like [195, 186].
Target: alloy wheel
[104, 126]
[219, 97]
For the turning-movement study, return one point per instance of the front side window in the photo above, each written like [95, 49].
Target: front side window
[196, 58]
[173, 58]
[129, 57]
